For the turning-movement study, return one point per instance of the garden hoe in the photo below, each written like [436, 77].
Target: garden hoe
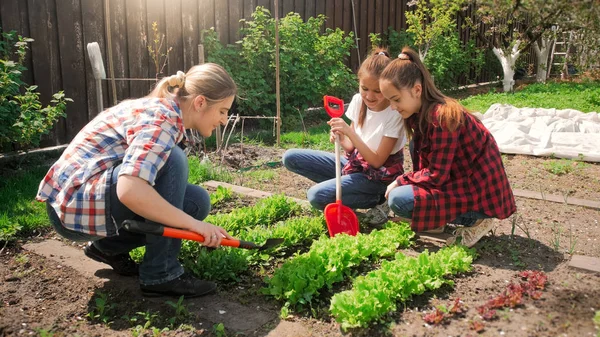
[339, 218]
[156, 229]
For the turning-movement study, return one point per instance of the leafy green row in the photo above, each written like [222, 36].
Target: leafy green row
[330, 260]
[222, 194]
[226, 264]
[263, 213]
[377, 293]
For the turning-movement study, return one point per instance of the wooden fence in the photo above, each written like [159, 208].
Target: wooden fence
[62, 29]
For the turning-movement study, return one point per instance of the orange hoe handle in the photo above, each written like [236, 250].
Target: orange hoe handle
[148, 228]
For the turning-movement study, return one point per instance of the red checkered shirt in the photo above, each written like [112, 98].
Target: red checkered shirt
[455, 173]
[138, 134]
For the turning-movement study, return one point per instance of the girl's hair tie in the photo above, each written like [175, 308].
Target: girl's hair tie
[403, 56]
[177, 80]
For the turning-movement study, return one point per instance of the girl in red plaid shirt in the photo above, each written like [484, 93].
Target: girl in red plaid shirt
[458, 176]
[373, 143]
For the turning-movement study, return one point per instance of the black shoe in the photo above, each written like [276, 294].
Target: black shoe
[122, 264]
[185, 285]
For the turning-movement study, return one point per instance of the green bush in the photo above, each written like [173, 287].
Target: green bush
[448, 60]
[312, 64]
[23, 119]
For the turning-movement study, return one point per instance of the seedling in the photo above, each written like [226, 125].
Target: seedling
[101, 309]
[181, 311]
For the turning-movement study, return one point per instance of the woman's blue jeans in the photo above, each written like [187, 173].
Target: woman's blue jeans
[319, 166]
[160, 262]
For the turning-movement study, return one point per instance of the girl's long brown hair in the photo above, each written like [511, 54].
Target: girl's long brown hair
[408, 70]
[372, 66]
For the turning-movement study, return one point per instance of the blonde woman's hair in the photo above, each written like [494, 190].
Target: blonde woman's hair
[209, 80]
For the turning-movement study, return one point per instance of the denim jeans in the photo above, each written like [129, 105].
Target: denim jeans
[402, 200]
[160, 262]
[319, 166]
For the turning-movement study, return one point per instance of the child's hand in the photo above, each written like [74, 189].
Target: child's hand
[212, 234]
[390, 187]
[340, 127]
[332, 136]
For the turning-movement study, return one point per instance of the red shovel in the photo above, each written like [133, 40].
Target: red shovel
[339, 218]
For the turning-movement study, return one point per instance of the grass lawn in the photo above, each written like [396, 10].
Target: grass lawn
[583, 96]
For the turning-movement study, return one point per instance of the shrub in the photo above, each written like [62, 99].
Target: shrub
[312, 64]
[23, 119]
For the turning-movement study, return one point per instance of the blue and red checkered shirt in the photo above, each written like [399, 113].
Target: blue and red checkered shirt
[138, 134]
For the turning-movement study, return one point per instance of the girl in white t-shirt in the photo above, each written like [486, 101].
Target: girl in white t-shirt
[373, 143]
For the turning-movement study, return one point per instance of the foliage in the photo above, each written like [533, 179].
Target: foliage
[583, 96]
[201, 171]
[311, 63]
[299, 280]
[159, 57]
[101, 309]
[448, 60]
[431, 20]
[222, 194]
[376, 293]
[19, 213]
[181, 312]
[23, 119]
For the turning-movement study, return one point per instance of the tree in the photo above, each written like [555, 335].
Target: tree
[430, 20]
[513, 26]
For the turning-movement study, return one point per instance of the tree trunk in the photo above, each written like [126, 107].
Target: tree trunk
[542, 48]
[508, 59]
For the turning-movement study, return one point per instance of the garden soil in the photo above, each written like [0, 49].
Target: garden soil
[40, 294]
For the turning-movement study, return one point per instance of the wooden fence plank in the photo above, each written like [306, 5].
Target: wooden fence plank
[118, 29]
[385, 12]
[46, 66]
[222, 20]
[392, 14]
[347, 16]
[364, 28]
[339, 14]
[174, 38]
[206, 14]
[354, 59]
[287, 7]
[378, 16]
[299, 7]
[401, 14]
[320, 7]
[136, 44]
[249, 7]
[93, 31]
[330, 13]
[236, 8]
[268, 4]
[70, 34]
[310, 9]
[191, 35]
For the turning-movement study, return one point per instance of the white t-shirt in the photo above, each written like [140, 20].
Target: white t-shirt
[387, 122]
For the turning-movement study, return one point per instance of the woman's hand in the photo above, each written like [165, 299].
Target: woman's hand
[212, 234]
[390, 187]
[340, 127]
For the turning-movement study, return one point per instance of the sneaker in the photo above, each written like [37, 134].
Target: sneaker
[378, 215]
[471, 235]
[185, 285]
[122, 264]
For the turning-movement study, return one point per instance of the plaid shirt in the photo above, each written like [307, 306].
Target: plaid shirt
[455, 173]
[392, 167]
[138, 134]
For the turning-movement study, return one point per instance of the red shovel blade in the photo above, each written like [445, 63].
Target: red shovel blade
[340, 219]
[334, 106]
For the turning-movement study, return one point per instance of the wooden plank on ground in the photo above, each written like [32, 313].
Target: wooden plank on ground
[556, 198]
[249, 191]
[585, 262]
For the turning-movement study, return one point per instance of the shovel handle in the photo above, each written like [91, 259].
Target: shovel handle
[156, 229]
